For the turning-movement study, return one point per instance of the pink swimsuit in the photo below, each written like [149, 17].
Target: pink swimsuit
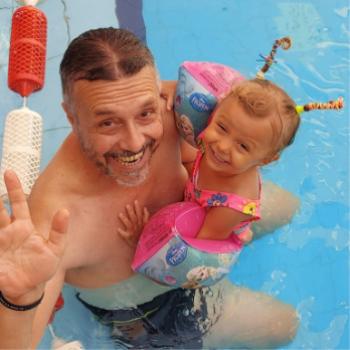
[208, 198]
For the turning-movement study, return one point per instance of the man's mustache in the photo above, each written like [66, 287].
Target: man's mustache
[127, 153]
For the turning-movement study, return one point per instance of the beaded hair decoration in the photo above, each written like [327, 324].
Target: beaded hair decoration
[286, 43]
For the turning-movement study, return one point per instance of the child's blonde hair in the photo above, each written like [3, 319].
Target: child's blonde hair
[262, 98]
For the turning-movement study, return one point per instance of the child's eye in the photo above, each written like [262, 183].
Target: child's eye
[244, 147]
[222, 127]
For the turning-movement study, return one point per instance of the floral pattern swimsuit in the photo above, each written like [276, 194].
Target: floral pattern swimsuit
[208, 198]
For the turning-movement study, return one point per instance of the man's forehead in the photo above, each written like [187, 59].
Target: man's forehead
[107, 110]
[108, 98]
[120, 90]
[136, 83]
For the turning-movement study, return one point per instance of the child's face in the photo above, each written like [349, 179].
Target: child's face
[236, 141]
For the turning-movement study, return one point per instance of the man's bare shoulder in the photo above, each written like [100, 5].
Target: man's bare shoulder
[62, 184]
[54, 186]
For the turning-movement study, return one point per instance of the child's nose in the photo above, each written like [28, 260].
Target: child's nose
[224, 145]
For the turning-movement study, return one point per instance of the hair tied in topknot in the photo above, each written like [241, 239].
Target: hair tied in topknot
[285, 43]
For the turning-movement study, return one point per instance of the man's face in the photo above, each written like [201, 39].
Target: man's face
[119, 124]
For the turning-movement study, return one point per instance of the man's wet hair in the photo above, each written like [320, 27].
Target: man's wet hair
[103, 54]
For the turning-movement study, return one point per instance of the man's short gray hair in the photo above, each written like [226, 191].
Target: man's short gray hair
[104, 53]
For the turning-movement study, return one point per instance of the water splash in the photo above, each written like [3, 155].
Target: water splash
[307, 338]
[304, 21]
[317, 74]
[276, 284]
[342, 12]
[326, 220]
[332, 44]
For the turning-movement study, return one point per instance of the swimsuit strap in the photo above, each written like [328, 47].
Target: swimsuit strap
[209, 198]
[195, 168]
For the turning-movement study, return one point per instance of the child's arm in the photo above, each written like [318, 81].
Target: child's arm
[168, 92]
[219, 222]
[246, 236]
[132, 222]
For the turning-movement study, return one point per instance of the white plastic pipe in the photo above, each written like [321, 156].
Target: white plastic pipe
[28, 2]
[21, 149]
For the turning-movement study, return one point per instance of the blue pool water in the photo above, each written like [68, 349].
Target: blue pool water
[305, 263]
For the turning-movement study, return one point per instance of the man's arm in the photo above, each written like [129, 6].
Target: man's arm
[188, 155]
[46, 307]
[27, 261]
[24, 329]
[16, 326]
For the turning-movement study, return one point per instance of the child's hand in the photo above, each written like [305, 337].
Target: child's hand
[168, 93]
[246, 236]
[132, 223]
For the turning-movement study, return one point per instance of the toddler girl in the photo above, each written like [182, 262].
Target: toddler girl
[248, 129]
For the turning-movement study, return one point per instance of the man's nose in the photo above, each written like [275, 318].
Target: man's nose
[133, 139]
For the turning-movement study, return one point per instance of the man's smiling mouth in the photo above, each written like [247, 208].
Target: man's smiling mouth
[127, 158]
[130, 159]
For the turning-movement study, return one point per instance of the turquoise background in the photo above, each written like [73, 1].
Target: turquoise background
[305, 263]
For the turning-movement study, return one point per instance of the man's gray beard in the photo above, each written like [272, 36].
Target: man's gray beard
[125, 179]
[130, 179]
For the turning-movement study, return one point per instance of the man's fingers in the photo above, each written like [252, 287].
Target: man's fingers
[16, 196]
[59, 226]
[4, 216]
[170, 103]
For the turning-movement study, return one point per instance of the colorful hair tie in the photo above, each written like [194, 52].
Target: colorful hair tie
[333, 104]
[285, 43]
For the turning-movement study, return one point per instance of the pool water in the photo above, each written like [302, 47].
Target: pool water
[305, 263]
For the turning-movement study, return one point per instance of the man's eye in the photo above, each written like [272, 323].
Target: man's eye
[106, 123]
[146, 114]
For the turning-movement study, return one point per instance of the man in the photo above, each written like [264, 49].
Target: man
[123, 146]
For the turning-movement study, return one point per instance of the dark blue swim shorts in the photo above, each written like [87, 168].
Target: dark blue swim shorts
[168, 321]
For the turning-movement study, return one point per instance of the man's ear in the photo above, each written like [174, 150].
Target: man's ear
[69, 115]
[270, 159]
